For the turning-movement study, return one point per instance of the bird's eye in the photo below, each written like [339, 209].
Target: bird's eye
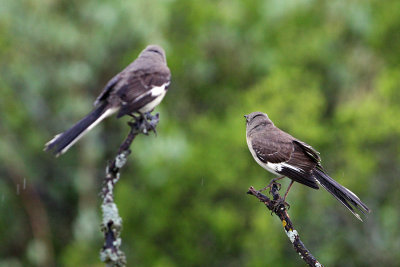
[155, 51]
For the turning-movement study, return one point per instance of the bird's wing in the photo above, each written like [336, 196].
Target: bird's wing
[309, 150]
[107, 89]
[136, 90]
[280, 151]
[268, 150]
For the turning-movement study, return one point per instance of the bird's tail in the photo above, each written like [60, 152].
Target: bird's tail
[341, 193]
[63, 141]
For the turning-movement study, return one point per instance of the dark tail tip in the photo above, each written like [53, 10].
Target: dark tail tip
[62, 142]
[341, 193]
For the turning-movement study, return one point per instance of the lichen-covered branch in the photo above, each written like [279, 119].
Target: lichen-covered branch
[277, 206]
[111, 224]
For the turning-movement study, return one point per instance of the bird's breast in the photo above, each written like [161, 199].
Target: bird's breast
[271, 167]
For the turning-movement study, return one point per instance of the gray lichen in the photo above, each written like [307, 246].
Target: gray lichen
[110, 214]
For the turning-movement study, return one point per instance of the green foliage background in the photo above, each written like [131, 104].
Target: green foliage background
[326, 71]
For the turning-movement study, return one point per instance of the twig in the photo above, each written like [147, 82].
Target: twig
[111, 224]
[277, 206]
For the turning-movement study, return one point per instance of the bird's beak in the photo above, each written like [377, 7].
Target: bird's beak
[246, 117]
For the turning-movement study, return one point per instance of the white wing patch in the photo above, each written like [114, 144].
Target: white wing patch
[157, 92]
[290, 167]
[276, 168]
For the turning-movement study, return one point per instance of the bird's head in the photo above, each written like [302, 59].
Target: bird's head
[155, 52]
[255, 119]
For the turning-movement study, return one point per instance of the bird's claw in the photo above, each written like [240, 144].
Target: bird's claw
[151, 122]
[280, 204]
[145, 123]
[278, 186]
[270, 186]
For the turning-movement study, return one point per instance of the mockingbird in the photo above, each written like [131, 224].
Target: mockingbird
[139, 88]
[286, 156]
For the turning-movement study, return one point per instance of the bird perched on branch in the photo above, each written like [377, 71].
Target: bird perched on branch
[285, 156]
[139, 88]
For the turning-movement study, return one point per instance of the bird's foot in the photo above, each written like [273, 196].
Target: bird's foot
[280, 204]
[151, 122]
[273, 182]
[144, 123]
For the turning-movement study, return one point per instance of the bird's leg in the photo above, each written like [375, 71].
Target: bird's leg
[283, 200]
[280, 201]
[136, 123]
[287, 190]
[134, 117]
[143, 124]
[273, 181]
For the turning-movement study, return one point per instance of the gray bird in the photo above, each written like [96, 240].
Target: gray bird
[285, 156]
[139, 88]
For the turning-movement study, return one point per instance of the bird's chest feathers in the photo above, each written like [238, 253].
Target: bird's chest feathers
[271, 167]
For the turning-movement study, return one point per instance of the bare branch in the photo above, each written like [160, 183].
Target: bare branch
[111, 224]
[277, 206]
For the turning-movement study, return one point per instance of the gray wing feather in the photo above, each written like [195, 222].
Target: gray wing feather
[279, 147]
